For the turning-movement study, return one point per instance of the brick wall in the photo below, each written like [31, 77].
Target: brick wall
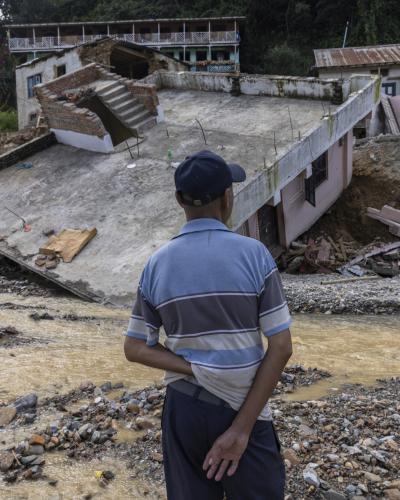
[146, 93]
[29, 148]
[65, 115]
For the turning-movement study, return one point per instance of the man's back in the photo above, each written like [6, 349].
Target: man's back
[207, 288]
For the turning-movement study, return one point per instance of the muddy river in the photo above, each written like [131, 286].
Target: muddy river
[84, 341]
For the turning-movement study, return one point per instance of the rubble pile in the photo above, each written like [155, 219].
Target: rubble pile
[11, 140]
[324, 255]
[92, 428]
[13, 279]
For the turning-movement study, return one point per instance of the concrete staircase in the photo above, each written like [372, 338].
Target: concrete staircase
[126, 107]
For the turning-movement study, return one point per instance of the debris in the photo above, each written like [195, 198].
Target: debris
[348, 280]
[21, 166]
[387, 215]
[36, 316]
[6, 461]
[68, 243]
[25, 226]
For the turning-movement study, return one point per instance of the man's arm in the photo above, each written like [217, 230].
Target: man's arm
[230, 446]
[156, 356]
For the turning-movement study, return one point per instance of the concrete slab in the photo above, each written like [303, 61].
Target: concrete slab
[134, 209]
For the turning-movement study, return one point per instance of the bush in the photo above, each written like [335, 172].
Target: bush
[8, 121]
[285, 60]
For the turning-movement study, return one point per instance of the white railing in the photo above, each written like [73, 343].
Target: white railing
[54, 42]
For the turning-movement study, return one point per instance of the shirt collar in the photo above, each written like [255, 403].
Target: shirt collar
[196, 225]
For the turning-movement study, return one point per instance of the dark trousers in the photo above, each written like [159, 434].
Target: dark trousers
[190, 427]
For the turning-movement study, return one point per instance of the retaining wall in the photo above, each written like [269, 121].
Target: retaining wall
[29, 148]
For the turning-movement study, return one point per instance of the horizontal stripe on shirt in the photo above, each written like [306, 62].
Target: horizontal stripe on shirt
[215, 340]
[278, 318]
[230, 358]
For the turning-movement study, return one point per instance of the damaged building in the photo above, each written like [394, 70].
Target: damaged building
[121, 57]
[293, 136]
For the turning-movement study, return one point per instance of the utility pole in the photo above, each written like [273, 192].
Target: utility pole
[345, 34]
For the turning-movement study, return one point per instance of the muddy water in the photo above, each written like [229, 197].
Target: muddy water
[63, 353]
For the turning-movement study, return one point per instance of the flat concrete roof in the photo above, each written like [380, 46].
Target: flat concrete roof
[134, 210]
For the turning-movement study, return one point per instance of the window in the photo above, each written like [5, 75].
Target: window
[32, 81]
[319, 175]
[60, 70]
[320, 169]
[389, 89]
[201, 55]
[32, 118]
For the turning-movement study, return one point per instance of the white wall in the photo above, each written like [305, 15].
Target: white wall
[392, 77]
[26, 105]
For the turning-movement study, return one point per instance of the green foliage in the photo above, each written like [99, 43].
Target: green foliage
[279, 35]
[8, 121]
[285, 60]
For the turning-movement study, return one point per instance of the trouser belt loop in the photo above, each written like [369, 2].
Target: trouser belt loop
[197, 392]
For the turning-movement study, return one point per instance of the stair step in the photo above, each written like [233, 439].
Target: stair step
[149, 122]
[115, 101]
[118, 90]
[139, 117]
[106, 88]
[128, 108]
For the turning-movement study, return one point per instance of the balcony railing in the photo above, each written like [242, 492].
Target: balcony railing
[155, 39]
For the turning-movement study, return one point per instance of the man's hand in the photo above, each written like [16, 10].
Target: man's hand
[225, 454]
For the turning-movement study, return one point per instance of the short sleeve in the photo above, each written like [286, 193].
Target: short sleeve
[145, 322]
[273, 311]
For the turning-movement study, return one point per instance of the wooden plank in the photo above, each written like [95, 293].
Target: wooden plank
[68, 243]
[391, 213]
[349, 280]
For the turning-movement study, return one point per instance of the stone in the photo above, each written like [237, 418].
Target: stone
[306, 431]
[29, 418]
[157, 457]
[311, 477]
[106, 387]
[333, 495]
[6, 461]
[133, 407]
[36, 449]
[26, 402]
[85, 430]
[37, 439]
[29, 459]
[373, 478]
[7, 415]
[144, 423]
[332, 457]
[290, 455]
[392, 494]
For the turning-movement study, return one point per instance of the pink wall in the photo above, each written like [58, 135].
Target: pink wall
[298, 214]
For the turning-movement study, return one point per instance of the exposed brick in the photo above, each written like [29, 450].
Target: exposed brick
[27, 149]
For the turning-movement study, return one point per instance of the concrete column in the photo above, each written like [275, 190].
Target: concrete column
[133, 31]
[58, 36]
[158, 33]
[83, 33]
[108, 30]
[209, 53]
[184, 53]
[209, 31]
[184, 32]
[34, 36]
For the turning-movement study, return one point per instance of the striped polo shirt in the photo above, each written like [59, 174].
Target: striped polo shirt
[215, 293]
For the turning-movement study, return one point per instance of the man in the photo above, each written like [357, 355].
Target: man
[215, 292]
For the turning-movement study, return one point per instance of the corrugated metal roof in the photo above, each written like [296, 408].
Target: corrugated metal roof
[379, 55]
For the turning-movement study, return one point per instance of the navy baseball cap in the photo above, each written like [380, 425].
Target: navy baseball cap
[204, 176]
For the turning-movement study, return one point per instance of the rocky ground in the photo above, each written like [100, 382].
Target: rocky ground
[339, 447]
[305, 293]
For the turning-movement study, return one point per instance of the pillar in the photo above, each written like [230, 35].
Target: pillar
[158, 34]
[83, 33]
[58, 36]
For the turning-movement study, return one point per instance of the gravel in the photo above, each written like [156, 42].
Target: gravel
[306, 294]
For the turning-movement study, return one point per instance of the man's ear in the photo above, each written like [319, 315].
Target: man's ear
[227, 198]
[178, 197]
